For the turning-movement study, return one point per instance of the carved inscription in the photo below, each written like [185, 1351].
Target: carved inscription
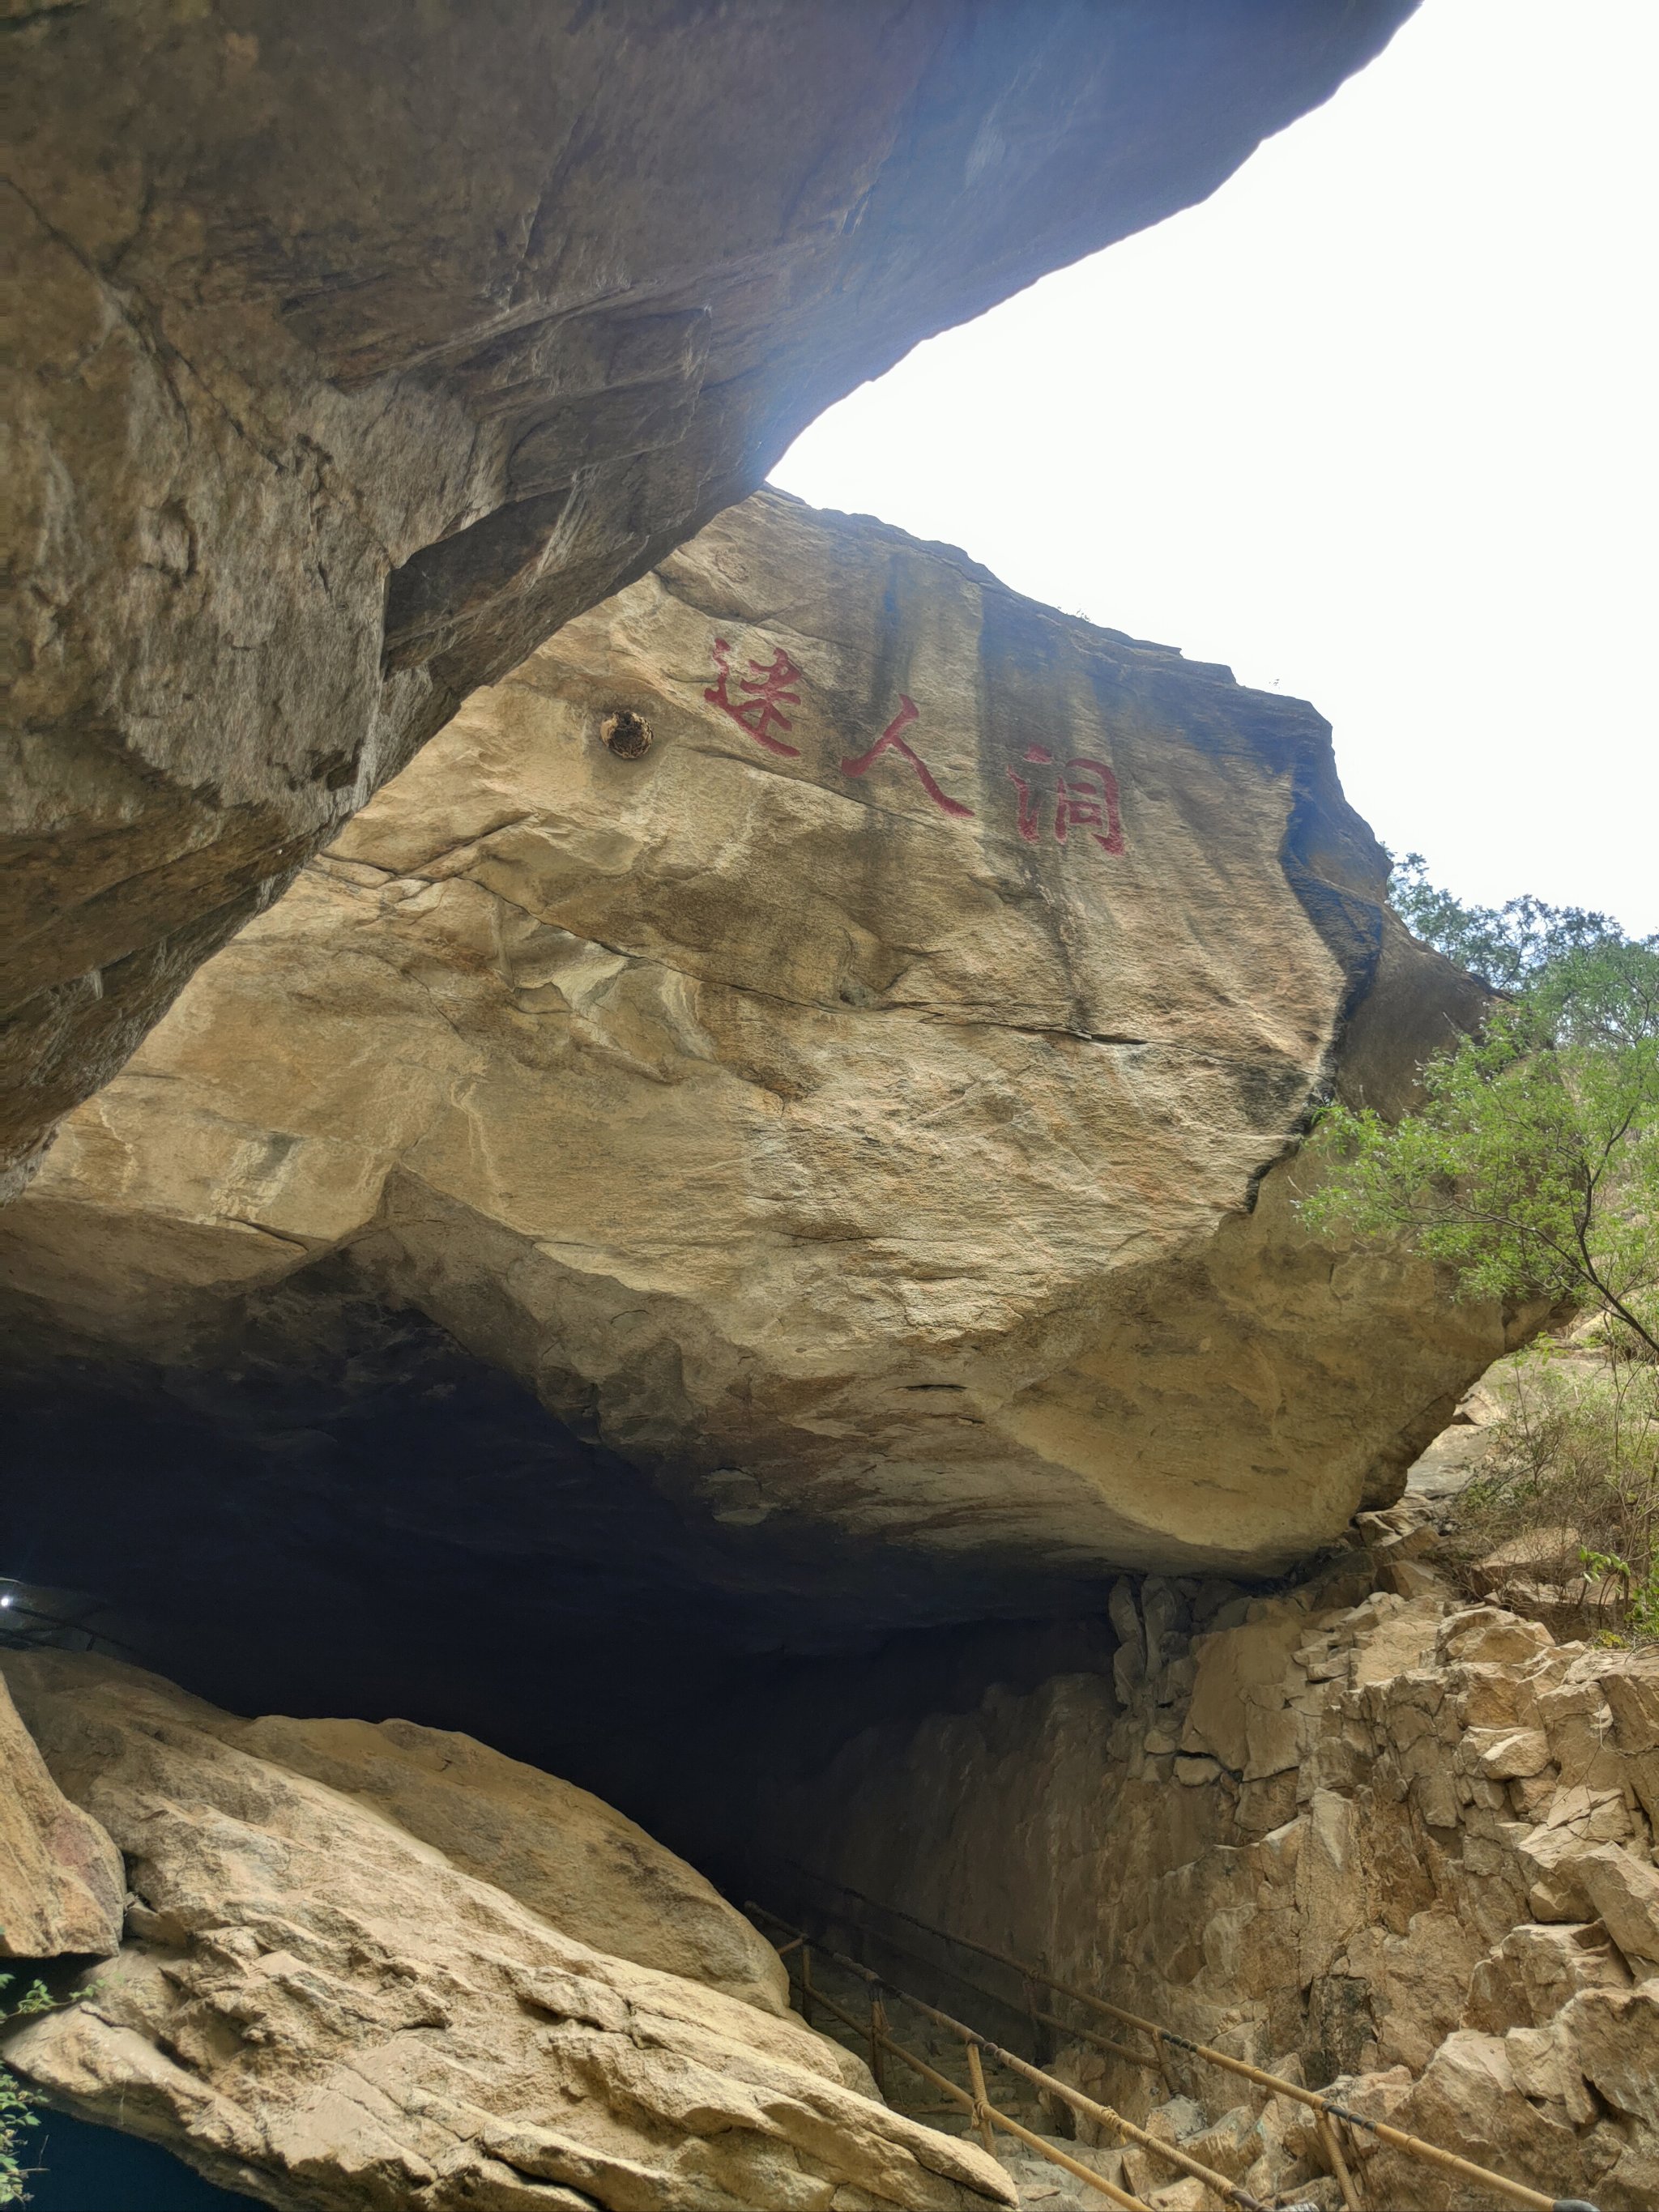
[861, 764]
[1058, 798]
[1084, 797]
[771, 689]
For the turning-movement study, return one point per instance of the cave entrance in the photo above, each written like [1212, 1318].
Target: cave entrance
[350, 1516]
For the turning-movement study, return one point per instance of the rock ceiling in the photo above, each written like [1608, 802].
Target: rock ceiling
[363, 347]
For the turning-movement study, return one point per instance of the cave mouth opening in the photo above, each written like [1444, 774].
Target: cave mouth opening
[337, 1512]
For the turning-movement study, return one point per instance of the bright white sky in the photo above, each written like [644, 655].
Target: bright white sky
[1376, 424]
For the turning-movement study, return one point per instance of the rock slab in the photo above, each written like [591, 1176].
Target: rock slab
[61, 1889]
[316, 2008]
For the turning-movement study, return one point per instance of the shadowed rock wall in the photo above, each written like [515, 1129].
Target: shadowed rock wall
[361, 347]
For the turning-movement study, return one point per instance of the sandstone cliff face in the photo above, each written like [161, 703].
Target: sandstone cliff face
[315, 2008]
[847, 1108]
[360, 349]
[1361, 1832]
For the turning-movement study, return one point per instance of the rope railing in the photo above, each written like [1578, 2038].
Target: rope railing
[1331, 2117]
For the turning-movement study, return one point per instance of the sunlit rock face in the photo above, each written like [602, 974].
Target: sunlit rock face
[836, 1030]
[360, 347]
[317, 2003]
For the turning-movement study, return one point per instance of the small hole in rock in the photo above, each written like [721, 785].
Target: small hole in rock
[628, 734]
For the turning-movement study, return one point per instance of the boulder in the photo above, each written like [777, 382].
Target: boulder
[362, 348]
[559, 1849]
[62, 1885]
[316, 2008]
[1536, 1969]
[1623, 1892]
[840, 1033]
[570, 1857]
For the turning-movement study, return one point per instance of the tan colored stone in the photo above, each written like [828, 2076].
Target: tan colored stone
[1630, 1684]
[1241, 1673]
[559, 1849]
[1550, 1858]
[1193, 1773]
[1625, 1893]
[1546, 2071]
[1469, 2098]
[1537, 1969]
[1486, 1634]
[1502, 1753]
[1230, 2144]
[61, 1883]
[834, 1158]
[1632, 1689]
[1614, 2034]
[1330, 1887]
[317, 2008]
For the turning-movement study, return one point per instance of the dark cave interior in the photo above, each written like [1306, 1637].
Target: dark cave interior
[336, 1510]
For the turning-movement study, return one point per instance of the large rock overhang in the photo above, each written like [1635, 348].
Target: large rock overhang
[363, 347]
[772, 1186]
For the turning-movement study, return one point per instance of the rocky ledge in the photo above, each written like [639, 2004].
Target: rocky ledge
[1361, 1834]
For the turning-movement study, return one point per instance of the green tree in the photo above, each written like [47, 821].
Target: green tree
[1531, 1167]
[1504, 946]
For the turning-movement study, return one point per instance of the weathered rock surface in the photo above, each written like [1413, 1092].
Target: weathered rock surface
[859, 1110]
[1316, 1832]
[357, 350]
[315, 2007]
[559, 1849]
[61, 1884]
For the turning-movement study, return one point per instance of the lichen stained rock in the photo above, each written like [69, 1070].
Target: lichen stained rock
[358, 348]
[315, 2008]
[865, 1109]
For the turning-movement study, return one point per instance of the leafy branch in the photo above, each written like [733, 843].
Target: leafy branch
[17, 2104]
[1530, 1168]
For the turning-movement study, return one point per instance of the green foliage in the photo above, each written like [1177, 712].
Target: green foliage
[1503, 945]
[1530, 1171]
[17, 2104]
[1531, 1167]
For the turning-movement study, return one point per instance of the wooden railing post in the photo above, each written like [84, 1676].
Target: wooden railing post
[878, 2037]
[1339, 2164]
[806, 1983]
[981, 2102]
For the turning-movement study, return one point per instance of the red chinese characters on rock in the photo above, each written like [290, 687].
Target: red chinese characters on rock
[756, 703]
[889, 741]
[1085, 798]
[770, 686]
